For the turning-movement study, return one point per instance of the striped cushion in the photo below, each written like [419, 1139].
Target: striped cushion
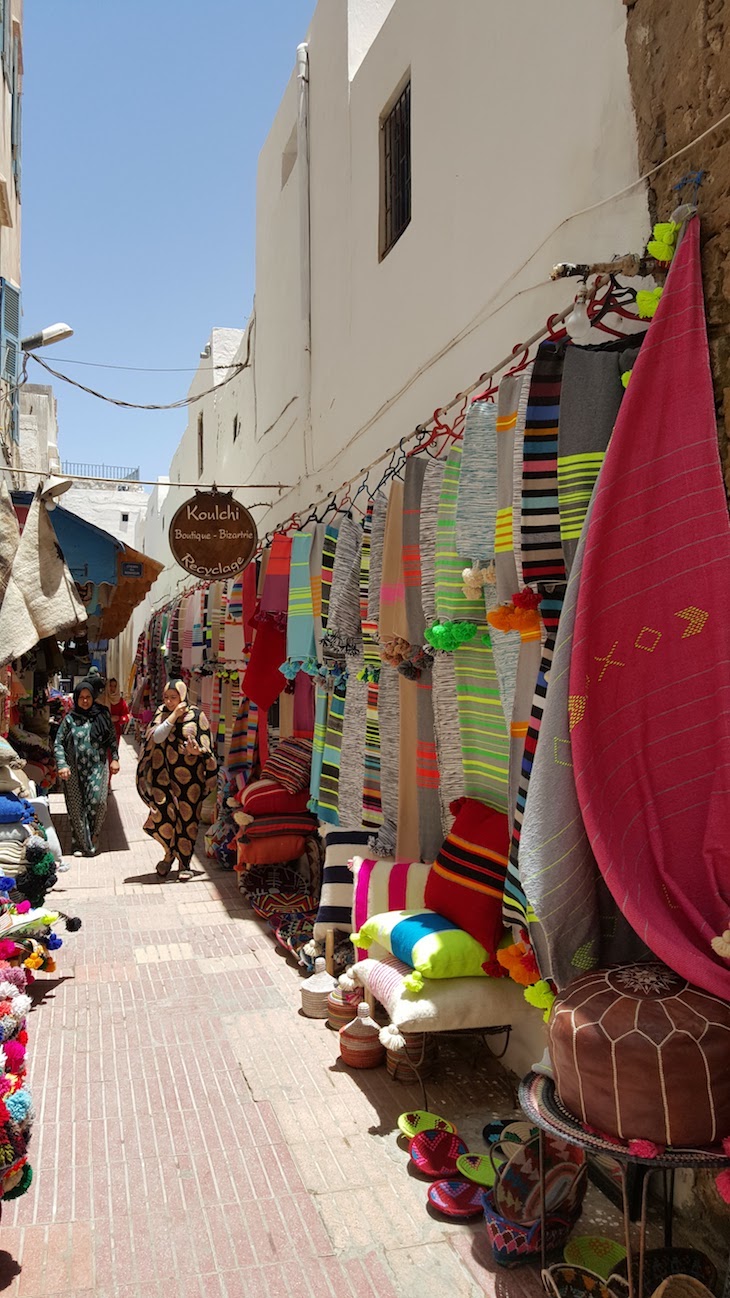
[335, 906]
[290, 765]
[272, 826]
[269, 851]
[268, 798]
[467, 880]
[433, 946]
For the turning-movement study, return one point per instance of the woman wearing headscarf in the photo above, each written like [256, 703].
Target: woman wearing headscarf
[112, 699]
[176, 771]
[85, 745]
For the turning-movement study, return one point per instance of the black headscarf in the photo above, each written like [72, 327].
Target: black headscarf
[100, 717]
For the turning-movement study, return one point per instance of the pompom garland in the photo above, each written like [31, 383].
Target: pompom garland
[542, 996]
[645, 1149]
[647, 301]
[520, 963]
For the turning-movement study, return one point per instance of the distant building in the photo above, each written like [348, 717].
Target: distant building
[11, 85]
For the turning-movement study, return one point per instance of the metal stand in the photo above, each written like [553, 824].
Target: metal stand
[539, 1101]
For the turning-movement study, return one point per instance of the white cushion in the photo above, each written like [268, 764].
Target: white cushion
[444, 1004]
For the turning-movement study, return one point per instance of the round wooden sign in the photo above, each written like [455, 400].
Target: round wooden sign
[212, 536]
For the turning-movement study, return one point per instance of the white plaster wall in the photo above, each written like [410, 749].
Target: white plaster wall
[513, 130]
[38, 430]
[105, 507]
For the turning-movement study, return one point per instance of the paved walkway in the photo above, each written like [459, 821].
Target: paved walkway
[197, 1136]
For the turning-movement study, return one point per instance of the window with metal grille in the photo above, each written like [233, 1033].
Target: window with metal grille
[200, 446]
[395, 170]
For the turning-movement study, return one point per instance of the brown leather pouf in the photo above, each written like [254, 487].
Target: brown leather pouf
[640, 1054]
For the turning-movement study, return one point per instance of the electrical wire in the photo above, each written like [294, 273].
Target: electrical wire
[135, 405]
[143, 369]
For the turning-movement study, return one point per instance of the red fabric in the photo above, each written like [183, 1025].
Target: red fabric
[650, 673]
[262, 681]
[466, 881]
[267, 798]
[270, 851]
[249, 601]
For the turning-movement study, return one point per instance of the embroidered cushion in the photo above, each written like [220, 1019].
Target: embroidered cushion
[467, 879]
[335, 905]
[269, 798]
[291, 764]
[433, 946]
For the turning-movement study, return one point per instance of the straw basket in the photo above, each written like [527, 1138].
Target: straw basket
[315, 992]
[415, 1059]
[341, 1005]
[360, 1041]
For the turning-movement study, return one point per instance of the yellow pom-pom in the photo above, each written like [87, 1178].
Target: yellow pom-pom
[625, 378]
[647, 301]
[541, 996]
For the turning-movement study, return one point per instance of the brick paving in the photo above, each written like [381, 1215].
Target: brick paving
[196, 1134]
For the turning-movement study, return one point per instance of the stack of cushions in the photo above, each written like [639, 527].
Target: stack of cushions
[17, 1110]
[467, 880]
[274, 824]
[431, 946]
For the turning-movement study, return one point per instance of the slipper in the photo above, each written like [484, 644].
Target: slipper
[184, 875]
[409, 1124]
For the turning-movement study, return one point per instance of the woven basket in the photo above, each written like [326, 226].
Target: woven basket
[341, 1005]
[316, 990]
[513, 1243]
[416, 1059]
[360, 1041]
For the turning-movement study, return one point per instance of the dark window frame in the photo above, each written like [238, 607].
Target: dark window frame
[395, 168]
[201, 445]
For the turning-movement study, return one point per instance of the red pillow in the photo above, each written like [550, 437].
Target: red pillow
[466, 881]
[270, 851]
[269, 798]
[291, 764]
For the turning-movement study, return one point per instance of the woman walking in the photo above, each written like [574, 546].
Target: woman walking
[85, 745]
[112, 699]
[177, 770]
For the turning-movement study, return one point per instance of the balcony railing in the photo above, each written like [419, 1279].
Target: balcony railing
[75, 469]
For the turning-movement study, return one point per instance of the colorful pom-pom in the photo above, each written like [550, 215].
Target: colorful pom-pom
[644, 1149]
[625, 377]
[448, 636]
[723, 1185]
[527, 598]
[647, 301]
[542, 996]
[520, 963]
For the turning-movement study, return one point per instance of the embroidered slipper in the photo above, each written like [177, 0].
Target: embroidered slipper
[434, 1153]
[478, 1168]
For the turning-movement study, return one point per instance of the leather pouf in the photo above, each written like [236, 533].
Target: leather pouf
[640, 1054]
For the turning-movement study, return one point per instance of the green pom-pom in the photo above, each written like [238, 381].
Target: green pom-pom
[487, 640]
[647, 301]
[448, 636]
[625, 378]
[541, 996]
[23, 1184]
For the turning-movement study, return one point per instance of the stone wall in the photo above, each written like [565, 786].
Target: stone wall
[679, 65]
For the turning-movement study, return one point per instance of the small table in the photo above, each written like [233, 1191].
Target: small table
[540, 1102]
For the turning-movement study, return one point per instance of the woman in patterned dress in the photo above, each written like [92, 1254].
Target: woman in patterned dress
[85, 751]
[176, 772]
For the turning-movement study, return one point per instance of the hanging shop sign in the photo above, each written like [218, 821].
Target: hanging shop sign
[212, 536]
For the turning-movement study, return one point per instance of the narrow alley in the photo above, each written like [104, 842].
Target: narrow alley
[194, 1130]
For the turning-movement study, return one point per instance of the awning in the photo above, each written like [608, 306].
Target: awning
[136, 573]
[111, 577]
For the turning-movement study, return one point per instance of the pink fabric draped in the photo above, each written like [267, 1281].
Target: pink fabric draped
[649, 698]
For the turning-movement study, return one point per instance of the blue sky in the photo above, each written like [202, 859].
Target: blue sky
[142, 124]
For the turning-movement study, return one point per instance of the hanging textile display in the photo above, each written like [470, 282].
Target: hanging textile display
[392, 649]
[263, 681]
[575, 924]
[589, 403]
[542, 552]
[371, 567]
[510, 435]
[341, 641]
[196, 655]
[482, 729]
[300, 643]
[443, 672]
[420, 665]
[323, 693]
[649, 685]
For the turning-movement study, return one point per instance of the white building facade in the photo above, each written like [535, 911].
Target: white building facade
[512, 130]
[11, 85]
